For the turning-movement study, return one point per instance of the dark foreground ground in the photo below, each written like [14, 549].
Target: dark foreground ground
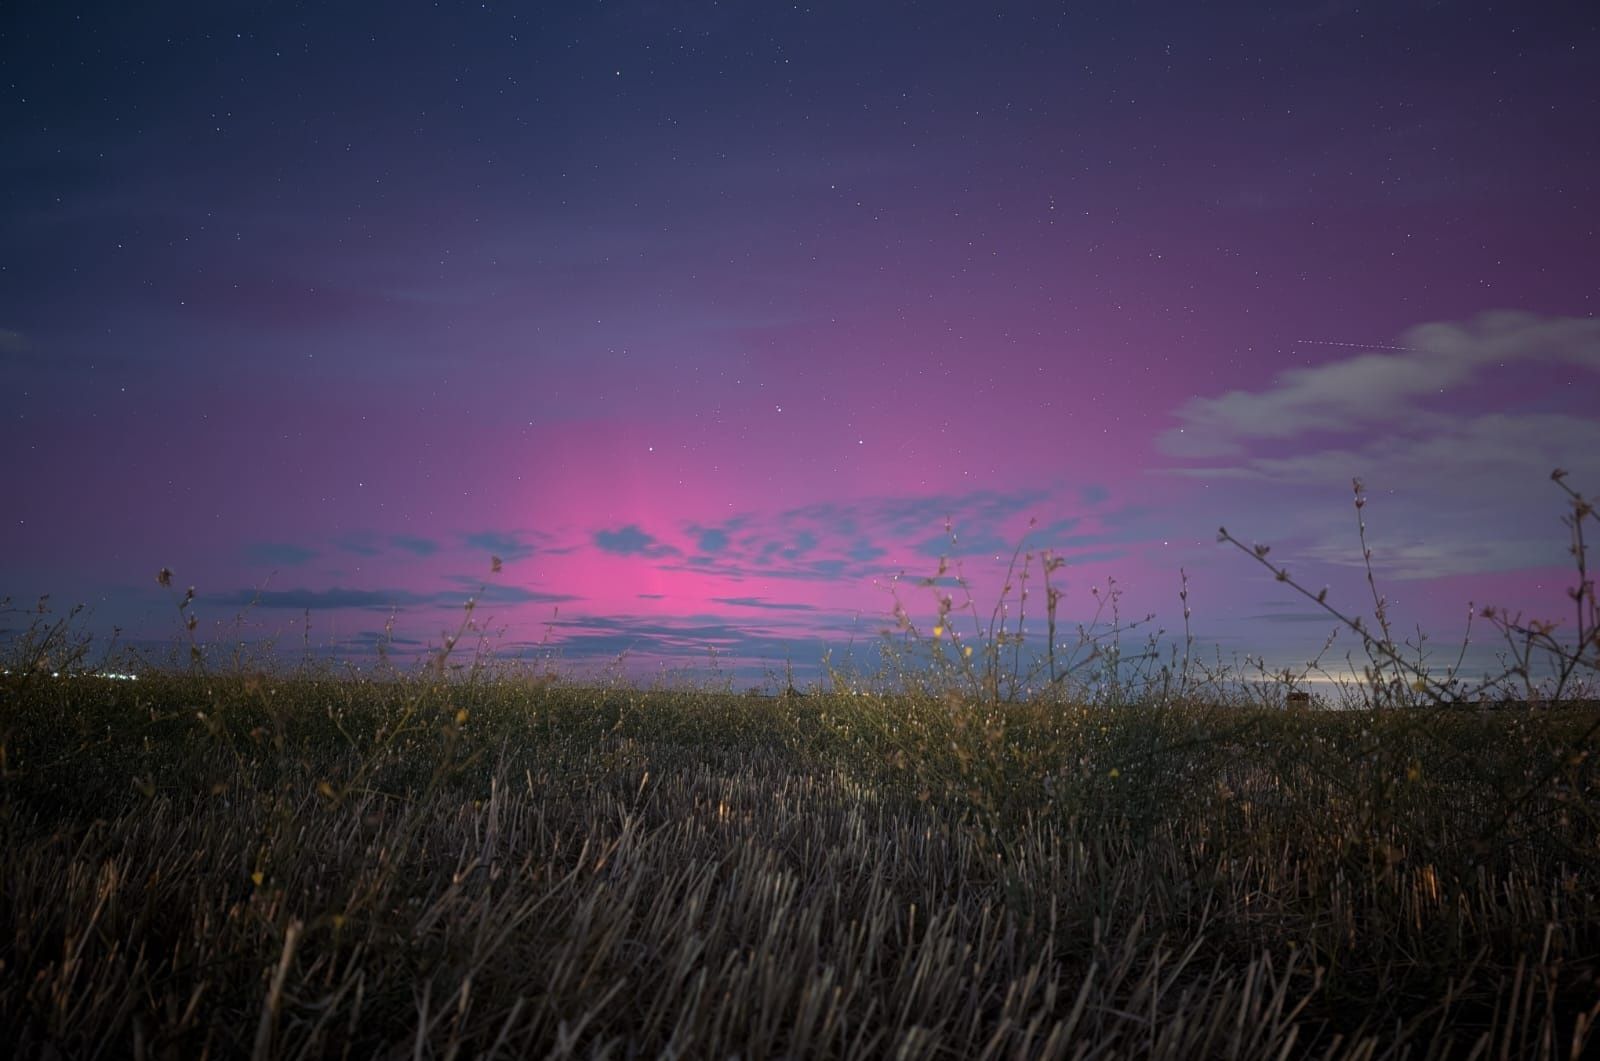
[258, 867]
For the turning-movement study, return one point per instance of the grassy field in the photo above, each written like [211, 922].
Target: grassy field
[309, 866]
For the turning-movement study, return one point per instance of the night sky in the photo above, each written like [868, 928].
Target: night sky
[704, 318]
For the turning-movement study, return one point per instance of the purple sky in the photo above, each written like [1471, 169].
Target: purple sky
[705, 317]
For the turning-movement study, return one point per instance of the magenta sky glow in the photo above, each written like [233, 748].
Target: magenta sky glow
[705, 318]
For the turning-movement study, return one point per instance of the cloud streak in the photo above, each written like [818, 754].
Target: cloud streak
[757, 602]
[499, 543]
[342, 598]
[631, 540]
[1454, 436]
[1381, 390]
[278, 554]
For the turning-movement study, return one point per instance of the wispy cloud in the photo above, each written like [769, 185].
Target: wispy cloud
[414, 546]
[1094, 494]
[361, 544]
[318, 599]
[864, 552]
[955, 544]
[1376, 390]
[278, 554]
[631, 540]
[904, 519]
[340, 598]
[1453, 435]
[1290, 617]
[593, 638]
[861, 539]
[710, 540]
[506, 546]
[499, 593]
[757, 602]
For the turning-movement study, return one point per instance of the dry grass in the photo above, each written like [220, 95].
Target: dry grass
[217, 867]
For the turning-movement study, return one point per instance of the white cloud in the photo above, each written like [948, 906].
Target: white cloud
[1381, 390]
[1455, 489]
